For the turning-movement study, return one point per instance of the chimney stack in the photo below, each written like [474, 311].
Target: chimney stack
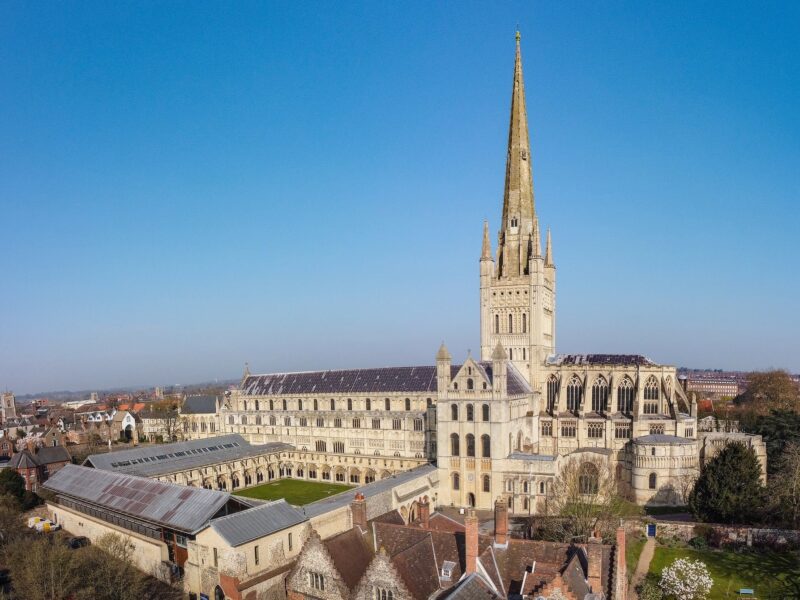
[471, 535]
[500, 522]
[594, 556]
[620, 585]
[358, 509]
[424, 512]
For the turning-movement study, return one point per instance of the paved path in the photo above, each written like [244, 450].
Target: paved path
[642, 566]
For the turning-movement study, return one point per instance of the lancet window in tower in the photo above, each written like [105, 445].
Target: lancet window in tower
[600, 395]
[486, 446]
[552, 393]
[625, 396]
[454, 445]
[524, 324]
[574, 393]
[497, 323]
[470, 445]
[510, 323]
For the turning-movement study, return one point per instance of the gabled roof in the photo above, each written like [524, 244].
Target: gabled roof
[367, 381]
[259, 521]
[23, 460]
[474, 587]
[351, 554]
[183, 508]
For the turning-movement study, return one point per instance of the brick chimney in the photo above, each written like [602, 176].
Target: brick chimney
[594, 554]
[358, 509]
[471, 541]
[424, 512]
[500, 522]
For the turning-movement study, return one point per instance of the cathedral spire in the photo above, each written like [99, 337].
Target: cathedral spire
[548, 253]
[486, 250]
[519, 213]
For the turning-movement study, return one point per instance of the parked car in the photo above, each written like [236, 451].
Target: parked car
[78, 542]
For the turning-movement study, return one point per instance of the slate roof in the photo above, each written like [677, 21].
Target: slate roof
[248, 525]
[151, 461]
[599, 359]
[23, 460]
[179, 507]
[365, 381]
[52, 454]
[198, 405]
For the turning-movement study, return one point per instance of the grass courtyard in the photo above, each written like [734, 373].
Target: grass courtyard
[773, 575]
[295, 491]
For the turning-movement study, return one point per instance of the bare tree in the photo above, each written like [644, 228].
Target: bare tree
[44, 570]
[584, 501]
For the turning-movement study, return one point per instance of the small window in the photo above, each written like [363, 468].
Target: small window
[408, 403]
[470, 413]
[652, 481]
[255, 555]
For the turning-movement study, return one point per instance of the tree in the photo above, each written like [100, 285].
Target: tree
[13, 484]
[584, 501]
[168, 419]
[784, 489]
[43, 570]
[686, 579]
[10, 520]
[770, 390]
[111, 572]
[729, 488]
[778, 428]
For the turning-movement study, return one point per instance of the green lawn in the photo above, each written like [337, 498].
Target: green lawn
[772, 575]
[295, 491]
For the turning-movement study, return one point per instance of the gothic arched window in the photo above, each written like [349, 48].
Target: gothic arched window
[369, 404]
[487, 483]
[524, 323]
[456, 481]
[497, 323]
[470, 413]
[470, 445]
[485, 410]
[454, 445]
[651, 388]
[574, 393]
[652, 481]
[387, 404]
[470, 384]
[408, 403]
[486, 446]
[454, 412]
[510, 323]
[625, 395]
[349, 404]
[552, 392]
[600, 395]
[588, 479]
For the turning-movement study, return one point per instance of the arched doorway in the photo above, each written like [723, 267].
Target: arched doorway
[218, 593]
[471, 500]
[128, 434]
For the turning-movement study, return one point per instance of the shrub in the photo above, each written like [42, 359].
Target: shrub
[698, 543]
[649, 589]
[686, 579]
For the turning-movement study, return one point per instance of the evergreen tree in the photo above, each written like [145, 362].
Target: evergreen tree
[12, 483]
[729, 489]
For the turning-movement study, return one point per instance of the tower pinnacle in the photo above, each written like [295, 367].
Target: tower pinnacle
[548, 253]
[486, 249]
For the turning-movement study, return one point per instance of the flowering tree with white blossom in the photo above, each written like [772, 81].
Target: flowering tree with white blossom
[686, 579]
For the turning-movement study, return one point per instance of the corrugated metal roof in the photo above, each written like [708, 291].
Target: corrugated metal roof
[152, 461]
[186, 509]
[371, 489]
[365, 381]
[253, 523]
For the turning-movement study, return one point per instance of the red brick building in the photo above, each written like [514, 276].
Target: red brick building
[36, 467]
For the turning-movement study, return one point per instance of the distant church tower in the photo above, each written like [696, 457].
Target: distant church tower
[518, 288]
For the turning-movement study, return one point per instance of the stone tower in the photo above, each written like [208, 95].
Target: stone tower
[518, 287]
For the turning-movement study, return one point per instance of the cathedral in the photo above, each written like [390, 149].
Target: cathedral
[503, 425]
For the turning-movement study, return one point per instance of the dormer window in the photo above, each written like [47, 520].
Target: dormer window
[447, 570]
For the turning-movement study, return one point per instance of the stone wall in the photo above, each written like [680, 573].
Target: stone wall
[721, 535]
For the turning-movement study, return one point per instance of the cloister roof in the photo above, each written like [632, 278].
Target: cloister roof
[152, 461]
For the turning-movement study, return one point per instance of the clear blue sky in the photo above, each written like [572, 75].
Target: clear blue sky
[187, 186]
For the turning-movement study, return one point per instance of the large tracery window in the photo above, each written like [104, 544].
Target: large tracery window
[574, 393]
[552, 392]
[651, 388]
[625, 396]
[588, 479]
[600, 395]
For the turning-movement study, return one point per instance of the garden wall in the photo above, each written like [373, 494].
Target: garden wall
[719, 535]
